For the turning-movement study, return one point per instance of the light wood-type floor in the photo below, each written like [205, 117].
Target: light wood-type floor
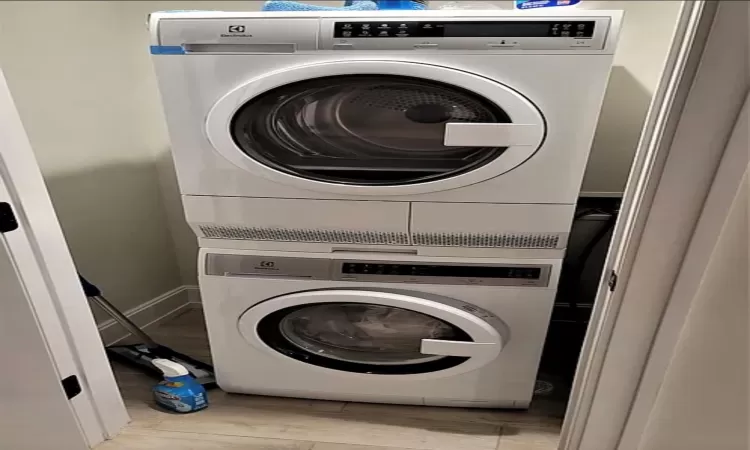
[254, 422]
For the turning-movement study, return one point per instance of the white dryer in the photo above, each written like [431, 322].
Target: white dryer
[435, 129]
[382, 328]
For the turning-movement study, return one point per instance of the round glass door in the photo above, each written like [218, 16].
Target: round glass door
[360, 337]
[361, 129]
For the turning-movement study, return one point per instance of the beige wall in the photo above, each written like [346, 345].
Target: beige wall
[639, 61]
[90, 103]
[704, 399]
[69, 68]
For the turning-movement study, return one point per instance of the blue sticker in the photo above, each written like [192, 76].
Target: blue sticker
[167, 50]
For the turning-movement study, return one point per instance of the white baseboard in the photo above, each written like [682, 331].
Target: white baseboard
[150, 313]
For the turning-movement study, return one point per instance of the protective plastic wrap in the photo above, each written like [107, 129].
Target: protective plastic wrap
[363, 332]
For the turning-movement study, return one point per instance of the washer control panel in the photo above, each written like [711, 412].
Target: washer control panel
[465, 274]
[380, 271]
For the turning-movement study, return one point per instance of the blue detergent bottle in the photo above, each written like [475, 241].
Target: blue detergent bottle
[179, 391]
[532, 4]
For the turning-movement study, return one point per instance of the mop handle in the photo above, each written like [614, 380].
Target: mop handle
[89, 289]
[95, 294]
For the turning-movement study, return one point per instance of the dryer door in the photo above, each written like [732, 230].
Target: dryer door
[375, 127]
[375, 332]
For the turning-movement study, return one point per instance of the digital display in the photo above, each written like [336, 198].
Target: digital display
[484, 29]
[424, 270]
[500, 29]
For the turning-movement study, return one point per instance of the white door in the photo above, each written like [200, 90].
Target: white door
[375, 127]
[35, 412]
[693, 113]
[47, 331]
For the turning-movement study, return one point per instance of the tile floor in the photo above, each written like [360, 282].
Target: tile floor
[269, 423]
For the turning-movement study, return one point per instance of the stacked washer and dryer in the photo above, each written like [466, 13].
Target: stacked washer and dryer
[382, 199]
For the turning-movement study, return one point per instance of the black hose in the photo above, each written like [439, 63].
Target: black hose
[585, 254]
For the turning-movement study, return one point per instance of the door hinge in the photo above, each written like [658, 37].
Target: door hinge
[8, 220]
[71, 386]
[612, 283]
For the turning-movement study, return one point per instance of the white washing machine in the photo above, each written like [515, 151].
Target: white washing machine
[440, 130]
[381, 328]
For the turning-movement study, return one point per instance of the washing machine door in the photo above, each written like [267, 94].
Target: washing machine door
[376, 332]
[375, 127]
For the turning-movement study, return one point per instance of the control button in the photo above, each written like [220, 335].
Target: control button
[581, 26]
[427, 26]
[425, 46]
[402, 34]
[580, 34]
[383, 33]
[384, 25]
[346, 26]
[365, 26]
[403, 25]
[364, 34]
[567, 26]
[581, 43]
[565, 34]
[346, 33]
[343, 47]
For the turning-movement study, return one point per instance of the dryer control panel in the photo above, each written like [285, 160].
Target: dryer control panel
[583, 29]
[583, 32]
[522, 33]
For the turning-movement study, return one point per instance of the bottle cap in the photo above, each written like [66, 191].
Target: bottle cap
[170, 368]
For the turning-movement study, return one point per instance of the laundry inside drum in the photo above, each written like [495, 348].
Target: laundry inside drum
[364, 333]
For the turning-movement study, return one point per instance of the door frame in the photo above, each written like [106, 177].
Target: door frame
[692, 116]
[724, 191]
[38, 246]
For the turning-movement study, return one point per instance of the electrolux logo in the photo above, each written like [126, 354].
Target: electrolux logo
[266, 265]
[236, 31]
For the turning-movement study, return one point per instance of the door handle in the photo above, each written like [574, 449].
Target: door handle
[458, 348]
[491, 134]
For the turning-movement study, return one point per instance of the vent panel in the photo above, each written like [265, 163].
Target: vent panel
[304, 235]
[468, 240]
[487, 240]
